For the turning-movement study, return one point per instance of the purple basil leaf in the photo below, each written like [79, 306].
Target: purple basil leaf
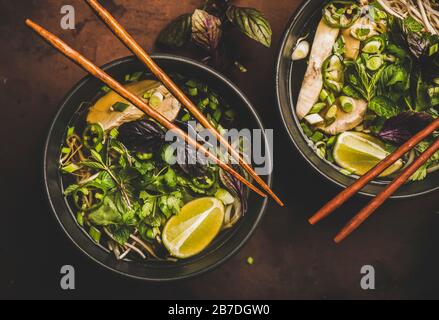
[236, 187]
[206, 30]
[402, 127]
[142, 135]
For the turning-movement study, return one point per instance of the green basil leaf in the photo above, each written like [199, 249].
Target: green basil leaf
[384, 107]
[206, 30]
[70, 189]
[252, 23]
[177, 33]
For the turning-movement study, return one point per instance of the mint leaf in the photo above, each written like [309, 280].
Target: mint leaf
[384, 107]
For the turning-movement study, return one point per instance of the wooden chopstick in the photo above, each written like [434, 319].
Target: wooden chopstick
[129, 41]
[386, 193]
[121, 90]
[346, 194]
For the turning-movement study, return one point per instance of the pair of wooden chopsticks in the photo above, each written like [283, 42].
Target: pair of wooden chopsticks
[373, 205]
[128, 40]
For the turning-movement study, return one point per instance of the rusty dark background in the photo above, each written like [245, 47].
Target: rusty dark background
[292, 259]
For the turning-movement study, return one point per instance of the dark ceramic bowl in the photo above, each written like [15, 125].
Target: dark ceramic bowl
[224, 246]
[289, 77]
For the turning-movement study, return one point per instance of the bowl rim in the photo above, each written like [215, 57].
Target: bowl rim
[192, 63]
[279, 58]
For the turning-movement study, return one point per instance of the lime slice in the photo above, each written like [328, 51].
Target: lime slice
[194, 228]
[360, 152]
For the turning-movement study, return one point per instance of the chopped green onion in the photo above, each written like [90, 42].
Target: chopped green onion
[99, 147]
[120, 107]
[374, 63]
[95, 234]
[217, 115]
[347, 104]
[331, 141]
[186, 117]
[332, 112]
[105, 89]
[324, 95]
[317, 136]
[144, 156]
[193, 92]
[330, 100]
[318, 107]
[204, 102]
[434, 49]
[70, 131]
[80, 218]
[114, 133]
[306, 129]
[65, 150]
[147, 95]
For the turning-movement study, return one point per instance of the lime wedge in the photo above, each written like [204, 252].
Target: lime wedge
[360, 152]
[194, 228]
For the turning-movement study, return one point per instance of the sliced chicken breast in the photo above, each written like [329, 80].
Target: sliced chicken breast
[101, 112]
[347, 121]
[313, 82]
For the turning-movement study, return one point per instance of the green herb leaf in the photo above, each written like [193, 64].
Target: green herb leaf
[70, 189]
[171, 204]
[420, 174]
[121, 235]
[206, 30]
[412, 25]
[177, 33]
[384, 107]
[252, 23]
[106, 215]
[93, 165]
[96, 156]
[147, 208]
[170, 178]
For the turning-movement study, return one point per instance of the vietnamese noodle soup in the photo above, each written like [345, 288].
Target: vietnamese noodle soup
[123, 182]
[372, 82]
